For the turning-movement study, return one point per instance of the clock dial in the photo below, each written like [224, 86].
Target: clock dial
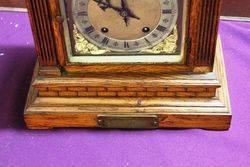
[125, 25]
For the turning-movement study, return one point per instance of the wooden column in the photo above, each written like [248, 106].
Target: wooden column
[41, 20]
[203, 30]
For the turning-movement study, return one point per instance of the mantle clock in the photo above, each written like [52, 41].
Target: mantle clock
[129, 64]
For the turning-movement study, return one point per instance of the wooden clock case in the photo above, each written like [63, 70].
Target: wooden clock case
[139, 96]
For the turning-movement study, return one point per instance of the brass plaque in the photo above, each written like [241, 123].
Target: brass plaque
[128, 121]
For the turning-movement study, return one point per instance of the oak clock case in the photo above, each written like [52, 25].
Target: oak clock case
[120, 31]
[129, 64]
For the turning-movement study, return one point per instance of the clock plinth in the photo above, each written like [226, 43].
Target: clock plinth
[133, 101]
[116, 64]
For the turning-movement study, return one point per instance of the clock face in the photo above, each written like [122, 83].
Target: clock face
[125, 25]
[125, 31]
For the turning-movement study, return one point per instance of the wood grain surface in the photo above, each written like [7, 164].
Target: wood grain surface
[236, 8]
[206, 113]
[13, 3]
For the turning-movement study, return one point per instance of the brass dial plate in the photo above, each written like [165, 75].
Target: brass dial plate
[159, 17]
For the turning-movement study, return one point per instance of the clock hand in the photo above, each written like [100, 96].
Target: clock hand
[126, 19]
[123, 4]
[106, 4]
[123, 11]
[127, 13]
[132, 15]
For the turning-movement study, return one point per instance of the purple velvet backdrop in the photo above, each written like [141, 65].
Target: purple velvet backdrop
[115, 148]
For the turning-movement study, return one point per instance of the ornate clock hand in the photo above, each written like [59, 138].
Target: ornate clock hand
[106, 4]
[132, 15]
[126, 19]
[127, 13]
[124, 4]
[124, 11]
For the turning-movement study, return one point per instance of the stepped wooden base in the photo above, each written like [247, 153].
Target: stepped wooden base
[47, 113]
[139, 112]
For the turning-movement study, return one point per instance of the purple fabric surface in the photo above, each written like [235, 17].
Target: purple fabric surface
[115, 148]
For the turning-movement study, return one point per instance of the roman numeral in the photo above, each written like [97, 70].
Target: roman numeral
[167, 11]
[161, 28]
[89, 29]
[147, 40]
[83, 13]
[154, 35]
[115, 44]
[126, 45]
[136, 44]
[105, 41]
